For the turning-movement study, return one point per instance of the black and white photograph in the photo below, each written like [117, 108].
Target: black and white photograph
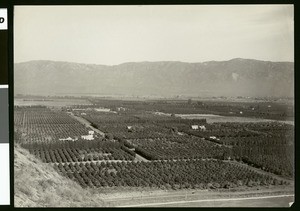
[153, 105]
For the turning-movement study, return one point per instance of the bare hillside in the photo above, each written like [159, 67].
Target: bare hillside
[39, 185]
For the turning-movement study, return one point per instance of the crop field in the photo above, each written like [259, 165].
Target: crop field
[178, 148]
[174, 155]
[255, 109]
[81, 150]
[39, 124]
[165, 174]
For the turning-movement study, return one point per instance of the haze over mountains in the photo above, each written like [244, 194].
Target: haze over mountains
[236, 77]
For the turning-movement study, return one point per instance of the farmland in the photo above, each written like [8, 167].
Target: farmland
[211, 156]
[51, 102]
[40, 124]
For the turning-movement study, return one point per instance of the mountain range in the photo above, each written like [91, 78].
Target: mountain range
[236, 77]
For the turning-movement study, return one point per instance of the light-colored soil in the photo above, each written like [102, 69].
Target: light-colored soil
[145, 197]
[140, 158]
[217, 118]
[260, 201]
[37, 184]
[212, 118]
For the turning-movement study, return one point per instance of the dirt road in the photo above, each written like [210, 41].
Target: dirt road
[270, 196]
[87, 124]
[262, 201]
[140, 158]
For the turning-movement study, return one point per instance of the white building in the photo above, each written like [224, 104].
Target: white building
[91, 132]
[195, 127]
[102, 109]
[202, 127]
[87, 137]
[121, 109]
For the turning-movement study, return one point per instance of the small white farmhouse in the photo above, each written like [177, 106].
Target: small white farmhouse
[195, 127]
[87, 137]
[121, 109]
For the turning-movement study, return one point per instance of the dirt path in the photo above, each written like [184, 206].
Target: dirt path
[140, 158]
[189, 203]
[198, 197]
[87, 124]
[257, 132]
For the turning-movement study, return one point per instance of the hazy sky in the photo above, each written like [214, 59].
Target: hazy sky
[117, 34]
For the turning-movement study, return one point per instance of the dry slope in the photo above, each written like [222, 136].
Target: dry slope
[39, 185]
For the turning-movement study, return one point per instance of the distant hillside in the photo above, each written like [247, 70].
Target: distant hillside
[236, 77]
[38, 185]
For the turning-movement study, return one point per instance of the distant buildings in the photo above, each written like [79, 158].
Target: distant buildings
[130, 128]
[102, 109]
[121, 109]
[197, 127]
[90, 136]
